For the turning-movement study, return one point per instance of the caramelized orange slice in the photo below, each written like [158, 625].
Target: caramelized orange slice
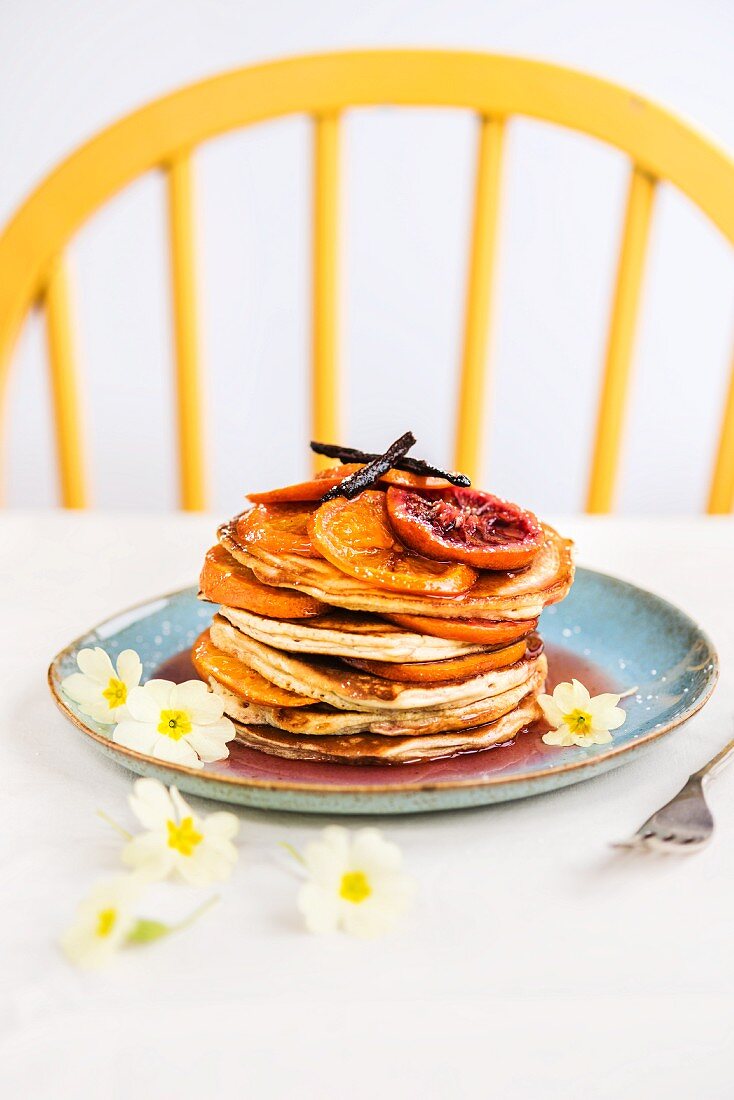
[277, 529]
[479, 631]
[356, 537]
[435, 672]
[224, 580]
[304, 490]
[242, 680]
[327, 479]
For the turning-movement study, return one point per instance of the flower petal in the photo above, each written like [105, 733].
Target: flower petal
[605, 715]
[139, 736]
[81, 689]
[566, 697]
[95, 664]
[607, 698]
[222, 825]
[326, 859]
[373, 854]
[582, 695]
[149, 854]
[100, 712]
[180, 805]
[551, 711]
[600, 737]
[369, 919]
[129, 668]
[560, 737]
[209, 746]
[151, 803]
[160, 690]
[210, 862]
[320, 908]
[202, 704]
[583, 740]
[175, 752]
[142, 706]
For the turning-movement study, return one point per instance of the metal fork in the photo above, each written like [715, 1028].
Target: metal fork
[685, 823]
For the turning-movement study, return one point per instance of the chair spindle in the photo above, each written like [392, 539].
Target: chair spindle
[189, 393]
[620, 341]
[56, 300]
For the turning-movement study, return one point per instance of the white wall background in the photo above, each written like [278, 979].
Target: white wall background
[70, 67]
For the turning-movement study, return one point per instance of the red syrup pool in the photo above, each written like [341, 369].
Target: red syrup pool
[526, 752]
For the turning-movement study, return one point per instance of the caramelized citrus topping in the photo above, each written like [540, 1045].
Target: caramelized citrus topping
[224, 580]
[356, 537]
[453, 668]
[239, 678]
[479, 631]
[416, 481]
[465, 525]
[304, 490]
[277, 529]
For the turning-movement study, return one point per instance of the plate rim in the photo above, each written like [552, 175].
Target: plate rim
[417, 787]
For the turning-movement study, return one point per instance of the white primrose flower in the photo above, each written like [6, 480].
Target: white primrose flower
[577, 719]
[179, 723]
[99, 689]
[355, 883]
[200, 849]
[104, 920]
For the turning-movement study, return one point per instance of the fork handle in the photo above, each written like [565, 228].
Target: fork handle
[716, 762]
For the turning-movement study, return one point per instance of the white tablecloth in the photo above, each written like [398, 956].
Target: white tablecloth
[537, 962]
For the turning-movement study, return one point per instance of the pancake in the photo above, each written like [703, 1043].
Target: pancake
[324, 721]
[372, 749]
[519, 595]
[325, 679]
[347, 634]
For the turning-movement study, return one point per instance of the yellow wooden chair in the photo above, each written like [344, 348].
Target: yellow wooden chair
[165, 134]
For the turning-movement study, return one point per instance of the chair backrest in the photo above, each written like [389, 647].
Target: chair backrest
[165, 133]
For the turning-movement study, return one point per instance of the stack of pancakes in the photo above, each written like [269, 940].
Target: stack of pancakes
[315, 664]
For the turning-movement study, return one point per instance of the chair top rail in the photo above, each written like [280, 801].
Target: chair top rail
[656, 140]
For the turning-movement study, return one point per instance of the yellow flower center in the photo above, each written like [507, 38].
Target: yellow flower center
[106, 921]
[355, 887]
[175, 724]
[115, 693]
[578, 721]
[183, 837]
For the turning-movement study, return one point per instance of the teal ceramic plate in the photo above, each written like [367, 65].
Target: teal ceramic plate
[610, 634]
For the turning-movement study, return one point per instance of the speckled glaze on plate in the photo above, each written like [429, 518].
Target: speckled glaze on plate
[605, 630]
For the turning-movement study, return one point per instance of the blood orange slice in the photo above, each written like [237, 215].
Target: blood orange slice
[465, 525]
